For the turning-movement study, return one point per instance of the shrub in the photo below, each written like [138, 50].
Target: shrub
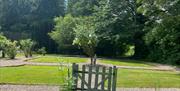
[42, 51]
[27, 46]
[11, 49]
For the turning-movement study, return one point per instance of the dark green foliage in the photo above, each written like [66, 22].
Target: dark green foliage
[162, 37]
[64, 34]
[151, 27]
[163, 41]
[81, 7]
[21, 19]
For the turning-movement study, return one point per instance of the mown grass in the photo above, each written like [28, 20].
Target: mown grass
[55, 59]
[125, 62]
[148, 78]
[51, 75]
[31, 75]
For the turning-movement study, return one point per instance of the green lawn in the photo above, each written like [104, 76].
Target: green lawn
[125, 62]
[147, 78]
[31, 75]
[52, 76]
[60, 59]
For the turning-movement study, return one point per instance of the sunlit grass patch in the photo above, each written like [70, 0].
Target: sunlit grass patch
[124, 62]
[55, 59]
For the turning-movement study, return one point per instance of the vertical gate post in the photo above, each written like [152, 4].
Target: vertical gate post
[103, 78]
[114, 78]
[75, 76]
[83, 77]
[110, 79]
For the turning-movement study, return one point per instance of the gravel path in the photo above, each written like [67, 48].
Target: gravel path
[28, 88]
[22, 61]
[56, 88]
[148, 89]
[14, 62]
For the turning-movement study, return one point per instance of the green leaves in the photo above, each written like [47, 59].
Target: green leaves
[63, 33]
[27, 46]
[11, 49]
[162, 29]
[85, 35]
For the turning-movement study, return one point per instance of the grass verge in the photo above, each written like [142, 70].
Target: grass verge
[55, 59]
[125, 62]
[50, 75]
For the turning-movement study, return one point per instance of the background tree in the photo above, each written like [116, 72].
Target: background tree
[22, 19]
[63, 34]
[162, 29]
[86, 37]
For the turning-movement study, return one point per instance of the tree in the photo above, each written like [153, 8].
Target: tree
[11, 49]
[63, 33]
[86, 37]
[27, 47]
[22, 19]
[118, 24]
[162, 29]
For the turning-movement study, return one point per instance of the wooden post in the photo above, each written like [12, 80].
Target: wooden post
[109, 78]
[103, 78]
[114, 78]
[90, 77]
[96, 78]
[75, 75]
[83, 77]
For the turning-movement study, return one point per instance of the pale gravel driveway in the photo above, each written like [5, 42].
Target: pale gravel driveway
[28, 88]
[22, 61]
[57, 88]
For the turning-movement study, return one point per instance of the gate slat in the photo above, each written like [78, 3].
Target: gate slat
[103, 78]
[114, 78]
[96, 77]
[109, 78]
[75, 75]
[90, 77]
[83, 77]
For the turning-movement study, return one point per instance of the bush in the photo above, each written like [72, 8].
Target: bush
[11, 49]
[3, 41]
[42, 51]
[27, 47]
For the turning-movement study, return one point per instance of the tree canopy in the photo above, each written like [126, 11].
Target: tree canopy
[108, 28]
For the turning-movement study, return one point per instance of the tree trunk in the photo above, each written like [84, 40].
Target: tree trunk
[94, 61]
[3, 54]
[30, 54]
[26, 55]
[91, 60]
[44, 54]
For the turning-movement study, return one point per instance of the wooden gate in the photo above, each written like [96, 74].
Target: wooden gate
[94, 78]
